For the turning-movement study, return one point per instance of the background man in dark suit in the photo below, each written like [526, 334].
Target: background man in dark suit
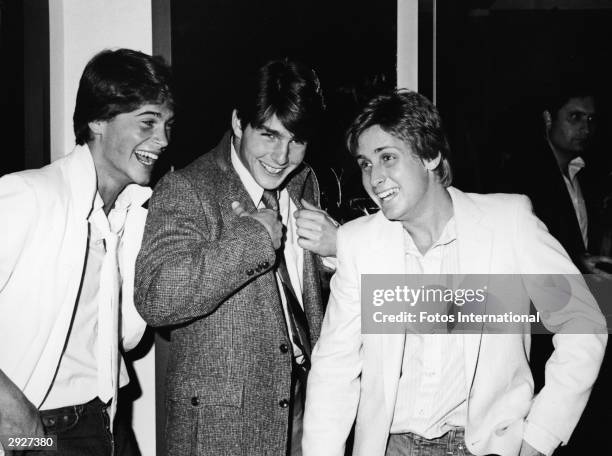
[230, 258]
[559, 173]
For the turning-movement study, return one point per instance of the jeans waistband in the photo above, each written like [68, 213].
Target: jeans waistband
[95, 405]
[450, 436]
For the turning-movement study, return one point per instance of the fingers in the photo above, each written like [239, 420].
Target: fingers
[310, 234]
[602, 259]
[238, 209]
[310, 207]
[308, 224]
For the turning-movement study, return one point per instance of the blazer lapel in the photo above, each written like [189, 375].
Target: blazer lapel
[303, 184]
[474, 241]
[387, 257]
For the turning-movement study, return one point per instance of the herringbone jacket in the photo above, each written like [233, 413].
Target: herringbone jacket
[208, 274]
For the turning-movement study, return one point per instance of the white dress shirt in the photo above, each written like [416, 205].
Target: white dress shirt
[575, 192]
[78, 378]
[432, 390]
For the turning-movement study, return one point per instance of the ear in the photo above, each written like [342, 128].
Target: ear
[97, 127]
[430, 165]
[236, 125]
[547, 119]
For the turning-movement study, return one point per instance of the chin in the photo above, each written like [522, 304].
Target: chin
[269, 182]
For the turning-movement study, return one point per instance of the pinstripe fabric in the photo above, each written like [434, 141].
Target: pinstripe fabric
[432, 388]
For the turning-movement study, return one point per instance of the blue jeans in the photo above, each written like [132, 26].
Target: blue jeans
[450, 444]
[83, 430]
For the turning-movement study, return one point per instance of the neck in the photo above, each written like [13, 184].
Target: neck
[108, 186]
[109, 191]
[563, 158]
[436, 209]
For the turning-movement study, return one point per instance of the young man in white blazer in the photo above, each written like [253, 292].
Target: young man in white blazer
[441, 394]
[70, 235]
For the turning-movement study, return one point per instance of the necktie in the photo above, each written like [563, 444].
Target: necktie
[108, 324]
[297, 318]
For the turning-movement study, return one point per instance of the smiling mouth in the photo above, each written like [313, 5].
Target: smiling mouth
[388, 194]
[271, 169]
[146, 158]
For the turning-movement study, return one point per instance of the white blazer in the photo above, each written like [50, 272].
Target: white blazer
[43, 242]
[355, 375]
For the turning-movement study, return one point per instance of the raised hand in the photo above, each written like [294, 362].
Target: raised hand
[316, 230]
[268, 218]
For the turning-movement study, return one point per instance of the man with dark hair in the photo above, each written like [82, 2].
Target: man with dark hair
[560, 174]
[69, 243]
[231, 258]
[421, 393]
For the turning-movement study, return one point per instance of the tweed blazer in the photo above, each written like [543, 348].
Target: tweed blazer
[208, 273]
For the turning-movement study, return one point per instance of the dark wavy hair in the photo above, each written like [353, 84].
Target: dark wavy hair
[410, 117]
[119, 81]
[286, 88]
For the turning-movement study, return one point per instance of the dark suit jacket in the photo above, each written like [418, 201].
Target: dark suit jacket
[536, 174]
[209, 273]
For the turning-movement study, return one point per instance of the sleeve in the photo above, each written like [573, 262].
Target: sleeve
[188, 266]
[18, 208]
[334, 380]
[568, 309]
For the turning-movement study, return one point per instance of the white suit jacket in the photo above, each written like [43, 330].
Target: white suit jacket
[43, 242]
[355, 375]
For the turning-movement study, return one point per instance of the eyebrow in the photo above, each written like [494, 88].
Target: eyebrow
[271, 130]
[150, 113]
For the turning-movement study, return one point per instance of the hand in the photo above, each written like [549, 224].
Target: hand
[268, 218]
[316, 230]
[18, 416]
[591, 263]
[528, 450]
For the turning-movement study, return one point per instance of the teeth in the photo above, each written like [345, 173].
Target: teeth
[270, 169]
[388, 194]
[146, 158]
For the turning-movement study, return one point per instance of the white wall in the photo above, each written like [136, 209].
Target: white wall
[408, 44]
[78, 29]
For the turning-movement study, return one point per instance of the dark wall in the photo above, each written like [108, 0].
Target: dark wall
[496, 67]
[11, 86]
[350, 43]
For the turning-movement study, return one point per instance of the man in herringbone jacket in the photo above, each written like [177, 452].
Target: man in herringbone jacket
[210, 268]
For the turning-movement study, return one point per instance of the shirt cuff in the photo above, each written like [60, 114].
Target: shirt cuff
[330, 262]
[541, 439]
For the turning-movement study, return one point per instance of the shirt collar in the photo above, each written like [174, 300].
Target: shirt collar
[449, 234]
[254, 190]
[574, 167]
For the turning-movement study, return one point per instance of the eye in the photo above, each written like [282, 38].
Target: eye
[387, 157]
[268, 135]
[149, 123]
[363, 164]
[299, 142]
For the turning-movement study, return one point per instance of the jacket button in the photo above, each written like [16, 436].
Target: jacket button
[265, 264]
[250, 272]
[284, 348]
[283, 403]
[195, 401]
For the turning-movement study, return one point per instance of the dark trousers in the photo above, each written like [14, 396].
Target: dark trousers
[83, 430]
[298, 383]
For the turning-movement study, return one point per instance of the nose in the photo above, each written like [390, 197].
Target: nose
[377, 176]
[161, 136]
[281, 153]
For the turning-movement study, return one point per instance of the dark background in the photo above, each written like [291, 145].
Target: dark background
[350, 43]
